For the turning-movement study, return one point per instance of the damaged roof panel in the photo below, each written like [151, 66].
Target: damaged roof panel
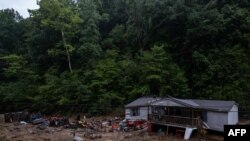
[214, 105]
[143, 101]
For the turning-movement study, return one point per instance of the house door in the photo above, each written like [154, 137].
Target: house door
[204, 116]
[201, 114]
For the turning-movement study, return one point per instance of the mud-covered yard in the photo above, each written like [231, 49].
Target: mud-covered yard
[28, 132]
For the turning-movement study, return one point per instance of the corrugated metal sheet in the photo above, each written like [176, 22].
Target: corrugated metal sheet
[218, 105]
[166, 102]
[143, 101]
[215, 105]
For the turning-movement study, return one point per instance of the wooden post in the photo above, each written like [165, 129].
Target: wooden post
[192, 116]
[167, 130]
[148, 112]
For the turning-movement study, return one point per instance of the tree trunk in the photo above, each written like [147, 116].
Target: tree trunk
[67, 51]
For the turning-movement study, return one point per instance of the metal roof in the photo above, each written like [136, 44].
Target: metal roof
[218, 105]
[214, 105]
[188, 102]
[142, 101]
[166, 102]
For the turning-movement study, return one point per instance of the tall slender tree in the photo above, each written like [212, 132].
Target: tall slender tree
[61, 16]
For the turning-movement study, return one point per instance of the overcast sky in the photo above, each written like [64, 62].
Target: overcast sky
[21, 6]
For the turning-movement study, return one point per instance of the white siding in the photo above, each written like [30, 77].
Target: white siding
[217, 120]
[143, 113]
[233, 115]
[127, 113]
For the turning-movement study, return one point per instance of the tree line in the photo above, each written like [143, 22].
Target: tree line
[109, 52]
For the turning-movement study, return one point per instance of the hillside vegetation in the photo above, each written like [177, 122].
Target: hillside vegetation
[105, 53]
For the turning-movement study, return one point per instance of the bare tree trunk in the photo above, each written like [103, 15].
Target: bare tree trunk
[67, 51]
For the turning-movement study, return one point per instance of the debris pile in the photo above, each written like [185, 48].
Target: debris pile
[79, 129]
[16, 116]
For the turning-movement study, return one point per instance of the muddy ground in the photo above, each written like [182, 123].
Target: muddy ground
[29, 132]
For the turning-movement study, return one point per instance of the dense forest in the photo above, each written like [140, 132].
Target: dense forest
[105, 53]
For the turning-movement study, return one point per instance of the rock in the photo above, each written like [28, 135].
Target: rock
[77, 138]
[23, 123]
[110, 130]
[47, 131]
[31, 132]
[100, 136]
[95, 136]
[16, 124]
[105, 123]
[15, 136]
[17, 128]
[92, 136]
[128, 136]
[41, 127]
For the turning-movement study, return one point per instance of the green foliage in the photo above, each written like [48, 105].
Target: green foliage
[223, 74]
[118, 50]
[105, 79]
[59, 15]
[11, 31]
[160, 76]
[89, 31]
[15, 65]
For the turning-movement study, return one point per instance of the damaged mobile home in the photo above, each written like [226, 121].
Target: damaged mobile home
[184, 113]
[140, 108]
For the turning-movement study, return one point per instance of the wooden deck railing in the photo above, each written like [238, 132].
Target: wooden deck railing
[173, 120]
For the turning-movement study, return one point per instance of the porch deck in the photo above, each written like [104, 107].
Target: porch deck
[173, 120]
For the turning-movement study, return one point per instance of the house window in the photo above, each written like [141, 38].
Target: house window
[135, 112]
